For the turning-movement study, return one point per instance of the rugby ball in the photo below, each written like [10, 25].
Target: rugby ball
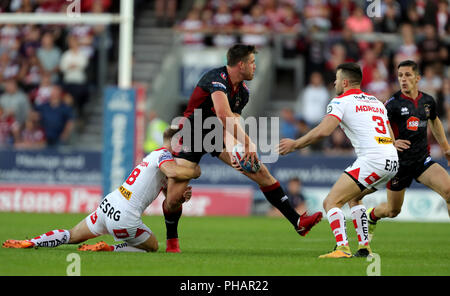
[238, 154]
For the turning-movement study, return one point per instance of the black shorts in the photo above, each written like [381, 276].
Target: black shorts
[194, 151]
[406, 174]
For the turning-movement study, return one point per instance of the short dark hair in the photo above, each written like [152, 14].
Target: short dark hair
[409, 63]
[239, 52]
[351, 71]
[170, 132]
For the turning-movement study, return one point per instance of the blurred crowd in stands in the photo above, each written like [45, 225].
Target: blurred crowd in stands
[326, 33]
[46, 74]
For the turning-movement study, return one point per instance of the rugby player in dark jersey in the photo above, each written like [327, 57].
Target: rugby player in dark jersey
[410, 111]
[220, 95]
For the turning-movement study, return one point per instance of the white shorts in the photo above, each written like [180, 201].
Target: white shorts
[373, 173]
[112, 217]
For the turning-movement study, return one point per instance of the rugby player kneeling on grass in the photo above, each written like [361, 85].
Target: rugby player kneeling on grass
[119, 213]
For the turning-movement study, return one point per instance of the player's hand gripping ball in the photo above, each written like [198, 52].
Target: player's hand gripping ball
[238, 154]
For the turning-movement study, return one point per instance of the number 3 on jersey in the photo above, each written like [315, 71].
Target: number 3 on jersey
[132, 178]
[380, 124]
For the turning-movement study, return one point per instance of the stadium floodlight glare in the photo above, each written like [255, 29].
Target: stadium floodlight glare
[124, 19]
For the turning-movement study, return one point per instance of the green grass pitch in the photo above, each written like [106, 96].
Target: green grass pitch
[231, 246]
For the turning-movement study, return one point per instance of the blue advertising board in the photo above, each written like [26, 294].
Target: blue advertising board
[118, 136]
[50, 166]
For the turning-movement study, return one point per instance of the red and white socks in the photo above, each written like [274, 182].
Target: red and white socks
[124, 247]
[361, 224]
[52, 238]
[337, 222]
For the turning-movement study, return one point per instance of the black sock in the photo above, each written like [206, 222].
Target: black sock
[276, 196]
[171, 220]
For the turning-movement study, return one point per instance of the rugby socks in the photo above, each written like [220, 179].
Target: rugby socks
[337, 222]
[372, 218]
[360, 222]
[52, 238]
[171, 219]
[276, 196]
[124, 247]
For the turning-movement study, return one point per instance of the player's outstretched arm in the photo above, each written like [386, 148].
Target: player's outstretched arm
[439, 134]
[324, 129]
[231, 125]
[178, 172]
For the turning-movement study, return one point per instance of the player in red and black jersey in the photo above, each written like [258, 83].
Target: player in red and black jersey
[410, 112]
[218, 100]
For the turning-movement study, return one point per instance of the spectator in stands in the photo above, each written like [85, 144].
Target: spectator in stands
[368, 64]
[443, 18]
[350, 44]
[49, 56]
[317, 14]
[73, 64]
[431, 82]
[312, 102]
[340, 12]
[379, 86]
[9, 33]
[223, 23]
[390, 17]
[56, 119]
[7, 127]
[50, 5]
[337, 56]
[358, 22]
[31, 73]
[14, 101]
[431, 47]
[31, 41]
[165, 11]
[426, 10]
[41, 94]
[408, 49]
[288, 124]
[192, 28]
[295, 196]
[9, 66]
[256, 26]
[32, 136]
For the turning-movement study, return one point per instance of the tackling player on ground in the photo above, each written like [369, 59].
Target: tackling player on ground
[410, 111]
[364, 120]
[219, 97]
[119, 213]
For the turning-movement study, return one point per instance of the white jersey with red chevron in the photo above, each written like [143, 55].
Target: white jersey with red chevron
[364, 120]
[145, 182]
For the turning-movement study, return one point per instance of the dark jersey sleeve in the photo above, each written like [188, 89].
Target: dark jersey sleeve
[212, 81]
[390, 109]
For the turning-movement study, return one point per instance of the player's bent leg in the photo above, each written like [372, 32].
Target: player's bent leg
[80, 233]
[150, 245]
[437, 178]
[392, 207]
[275, 194]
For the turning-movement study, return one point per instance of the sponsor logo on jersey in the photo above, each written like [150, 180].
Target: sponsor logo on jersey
[365, 108]
[125, 192]
[412, 123]
[427, 110]
[223, 75]
[219, 84]
[329, 109]
[404, 111]
[383, 140]
[166, 155]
